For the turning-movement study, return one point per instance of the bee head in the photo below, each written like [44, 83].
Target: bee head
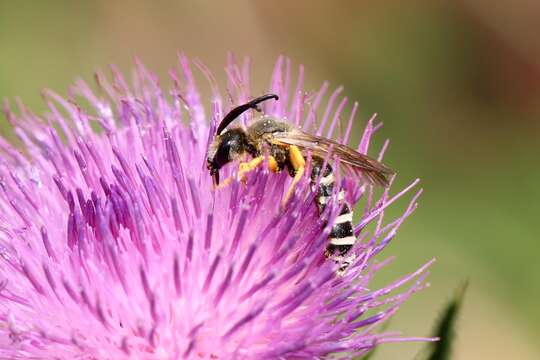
[225, 148]
[229, 145]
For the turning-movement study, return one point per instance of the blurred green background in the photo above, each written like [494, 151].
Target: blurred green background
[457, 85]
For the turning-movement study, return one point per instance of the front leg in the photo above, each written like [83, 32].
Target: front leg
[299, 164]
[246, 167]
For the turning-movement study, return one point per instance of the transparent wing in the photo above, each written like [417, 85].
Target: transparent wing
[350, 159]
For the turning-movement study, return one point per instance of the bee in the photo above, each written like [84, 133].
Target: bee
[287, 147]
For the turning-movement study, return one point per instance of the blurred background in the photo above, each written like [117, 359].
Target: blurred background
[457, 85]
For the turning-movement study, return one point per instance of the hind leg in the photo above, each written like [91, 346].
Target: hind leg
[299, 164]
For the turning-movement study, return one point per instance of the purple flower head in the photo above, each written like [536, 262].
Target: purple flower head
[114, 244]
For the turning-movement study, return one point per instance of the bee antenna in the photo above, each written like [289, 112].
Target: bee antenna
[239, 110]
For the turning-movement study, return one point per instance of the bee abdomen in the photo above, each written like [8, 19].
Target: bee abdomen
[341, 238]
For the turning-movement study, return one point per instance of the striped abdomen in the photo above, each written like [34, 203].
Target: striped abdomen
[341, 238]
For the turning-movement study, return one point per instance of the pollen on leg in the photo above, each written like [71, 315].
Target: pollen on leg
[272, 164]
[298, 162]
[296, 157]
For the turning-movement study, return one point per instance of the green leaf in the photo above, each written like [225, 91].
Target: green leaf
[445, 327]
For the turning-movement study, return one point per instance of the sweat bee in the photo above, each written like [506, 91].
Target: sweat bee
[287, 146]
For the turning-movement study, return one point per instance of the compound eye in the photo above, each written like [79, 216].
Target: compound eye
[230, 146]
[222, 154]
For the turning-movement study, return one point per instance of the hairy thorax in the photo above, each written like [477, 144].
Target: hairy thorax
[260, 133]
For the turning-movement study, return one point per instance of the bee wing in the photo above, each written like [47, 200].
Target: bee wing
[352, 160]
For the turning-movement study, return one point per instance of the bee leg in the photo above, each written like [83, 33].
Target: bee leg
[299, 163]
[248, 166]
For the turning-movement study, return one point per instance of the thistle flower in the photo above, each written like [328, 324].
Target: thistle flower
[114, 244]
